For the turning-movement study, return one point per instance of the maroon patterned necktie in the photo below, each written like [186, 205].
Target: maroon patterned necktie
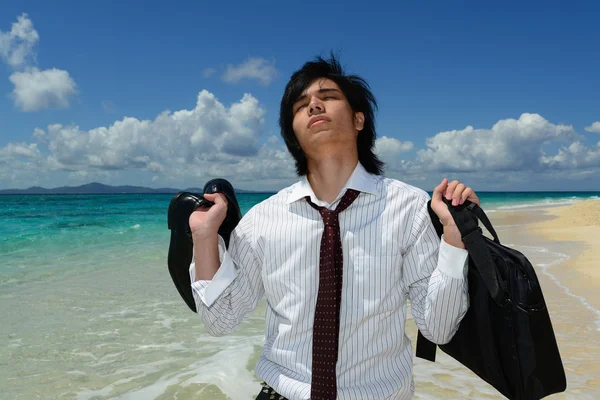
[327, 313]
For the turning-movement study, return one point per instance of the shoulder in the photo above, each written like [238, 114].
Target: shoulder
[275, 201]
[410, 194]
[409, 203]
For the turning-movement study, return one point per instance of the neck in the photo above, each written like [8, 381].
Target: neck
[328, 176]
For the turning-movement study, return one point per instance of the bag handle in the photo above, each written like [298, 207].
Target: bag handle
[480, 214]
[472, 207]
[477, 211]
[466, 218]
[479, 254]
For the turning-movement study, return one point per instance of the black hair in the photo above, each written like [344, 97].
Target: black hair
[359, 96]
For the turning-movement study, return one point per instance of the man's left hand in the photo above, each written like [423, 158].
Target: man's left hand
[455, 191]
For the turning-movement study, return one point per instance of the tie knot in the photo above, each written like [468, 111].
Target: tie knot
[330, 217]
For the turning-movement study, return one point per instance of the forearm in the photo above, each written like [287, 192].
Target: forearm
[229, 309]
[436, 276]
[229, 297]
[444, 307]
[206, 255]
[440, 301]
[226, 282]
[452, 236]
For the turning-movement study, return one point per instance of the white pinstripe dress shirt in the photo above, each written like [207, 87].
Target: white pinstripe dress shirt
[391, 254]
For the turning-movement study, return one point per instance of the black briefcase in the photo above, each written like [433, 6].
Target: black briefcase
[506, 336]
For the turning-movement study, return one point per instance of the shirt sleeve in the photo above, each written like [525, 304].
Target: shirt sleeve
[436, 278]
[225, 301]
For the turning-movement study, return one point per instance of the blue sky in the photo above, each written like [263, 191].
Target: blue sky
[503, 96]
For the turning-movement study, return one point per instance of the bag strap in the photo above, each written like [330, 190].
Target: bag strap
[473, 238]
[480, 214]
[425, 348]
[474, 208]
[437, 224]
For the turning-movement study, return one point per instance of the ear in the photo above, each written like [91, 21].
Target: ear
[359, 121]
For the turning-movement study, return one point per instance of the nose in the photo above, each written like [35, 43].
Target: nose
[315, 107]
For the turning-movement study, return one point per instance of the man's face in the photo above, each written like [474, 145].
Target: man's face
[323, 120]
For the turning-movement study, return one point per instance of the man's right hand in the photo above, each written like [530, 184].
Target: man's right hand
[205, 221]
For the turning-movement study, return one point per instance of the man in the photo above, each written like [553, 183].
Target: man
[336, 284]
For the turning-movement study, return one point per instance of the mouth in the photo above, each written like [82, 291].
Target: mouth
[317, 121]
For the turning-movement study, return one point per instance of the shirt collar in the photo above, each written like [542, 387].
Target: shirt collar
[360, 180]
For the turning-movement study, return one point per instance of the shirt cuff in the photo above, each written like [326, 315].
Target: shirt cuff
[209, 290]
[453, 261]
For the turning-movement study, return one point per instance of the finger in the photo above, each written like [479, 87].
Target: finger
[439, 189]
[474, 198]
[217, 198]
[208, 198]
[456, 195]
[465, 194]
[202, 207]
[450, 189]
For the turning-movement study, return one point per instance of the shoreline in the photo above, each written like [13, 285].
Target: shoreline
[575, 230]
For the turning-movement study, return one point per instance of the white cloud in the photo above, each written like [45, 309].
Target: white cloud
[574, 156]
[210, 140]
[389, 147]
[17, 150]
[510, 145]
[595, 127]
[17, 45]
[390, 152]
[253, 68]
[35, 90]
[208, 132]
[188, 147]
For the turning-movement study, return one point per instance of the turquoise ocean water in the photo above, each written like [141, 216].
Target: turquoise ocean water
[89, 310]
[44, 236]
[62, 233]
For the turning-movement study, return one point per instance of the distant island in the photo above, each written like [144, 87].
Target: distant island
[99, 188]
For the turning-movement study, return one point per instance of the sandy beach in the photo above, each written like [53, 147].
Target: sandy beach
[563, 244]
[578, 224]
[575, 229]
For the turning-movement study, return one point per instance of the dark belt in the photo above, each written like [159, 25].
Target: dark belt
[268, 393]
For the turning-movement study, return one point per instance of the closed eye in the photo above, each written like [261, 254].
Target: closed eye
[299, 107]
